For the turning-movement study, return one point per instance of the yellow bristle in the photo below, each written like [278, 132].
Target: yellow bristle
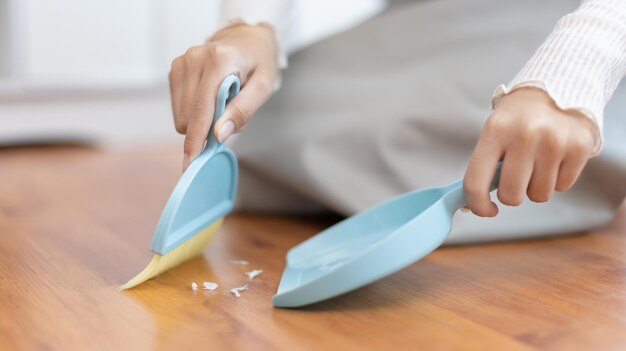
[185, 251]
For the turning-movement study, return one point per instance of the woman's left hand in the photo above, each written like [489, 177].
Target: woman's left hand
[543, 149]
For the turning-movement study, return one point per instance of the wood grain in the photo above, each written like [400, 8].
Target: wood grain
[76, 223]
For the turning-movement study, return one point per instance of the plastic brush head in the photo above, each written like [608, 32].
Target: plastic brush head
[189, 249]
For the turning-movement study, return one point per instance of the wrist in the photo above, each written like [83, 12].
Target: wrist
[551, 100]
[536, 102]
[237, 27]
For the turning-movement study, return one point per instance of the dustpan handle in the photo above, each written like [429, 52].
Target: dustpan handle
[229, 88]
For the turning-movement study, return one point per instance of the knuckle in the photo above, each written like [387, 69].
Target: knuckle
[539, 127]
[508, 198]
[480, 210]
[219, 51]
[563, 185]
[189, 141]
[177, 64]
[194, 51]
[199, 109]
[551, 151]
[177, 68]
[189, 145]
[194, 54]
[263, 86]
[552, 141]
[527, 136]
[180, 127]
[539, 191]
[580, 146]
[542, 128]
[477, 211]
[471, 187]
[240, 114]
[539, 196]
[473, 193]
[209, 55]
[532, 131]
[543, 135]
[495, 124]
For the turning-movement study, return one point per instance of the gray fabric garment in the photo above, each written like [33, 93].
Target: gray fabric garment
[398, 103]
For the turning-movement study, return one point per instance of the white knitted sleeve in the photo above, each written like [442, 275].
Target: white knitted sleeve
[581, 63]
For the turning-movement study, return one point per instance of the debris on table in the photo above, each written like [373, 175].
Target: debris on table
[236, 291]
[209, 286]
[241, 262]
[194, 286]
[254, 273]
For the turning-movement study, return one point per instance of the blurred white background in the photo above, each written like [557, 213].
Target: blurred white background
[93, 69]
[97, 70]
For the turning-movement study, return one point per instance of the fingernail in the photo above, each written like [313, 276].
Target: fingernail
[225, 131]
[465, 209]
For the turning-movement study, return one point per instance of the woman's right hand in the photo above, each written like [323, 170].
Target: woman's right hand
[251, 53]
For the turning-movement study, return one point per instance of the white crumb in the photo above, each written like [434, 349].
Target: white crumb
[241, 262]
[254, 273]
[236, 291]
[194, 286]
[209, 286]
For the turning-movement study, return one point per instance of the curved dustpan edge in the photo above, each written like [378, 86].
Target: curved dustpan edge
[294, 252]
[363, 269]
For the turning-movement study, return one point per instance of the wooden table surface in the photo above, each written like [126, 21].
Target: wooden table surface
[76, 223]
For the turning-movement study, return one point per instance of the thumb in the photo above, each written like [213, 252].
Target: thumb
[253, 95]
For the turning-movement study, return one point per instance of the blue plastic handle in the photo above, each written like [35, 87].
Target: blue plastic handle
[456, 194]
[228, 90]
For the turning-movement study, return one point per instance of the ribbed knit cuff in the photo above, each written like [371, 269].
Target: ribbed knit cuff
[282, 55]
[581, 63]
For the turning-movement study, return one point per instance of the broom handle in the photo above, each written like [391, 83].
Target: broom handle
[229, 88]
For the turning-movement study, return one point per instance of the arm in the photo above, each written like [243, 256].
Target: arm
[246, 45]
[547, 122]
[276, 13]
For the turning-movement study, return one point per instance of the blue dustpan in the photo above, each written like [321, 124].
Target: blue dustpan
[206, 190]
[370, 245]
